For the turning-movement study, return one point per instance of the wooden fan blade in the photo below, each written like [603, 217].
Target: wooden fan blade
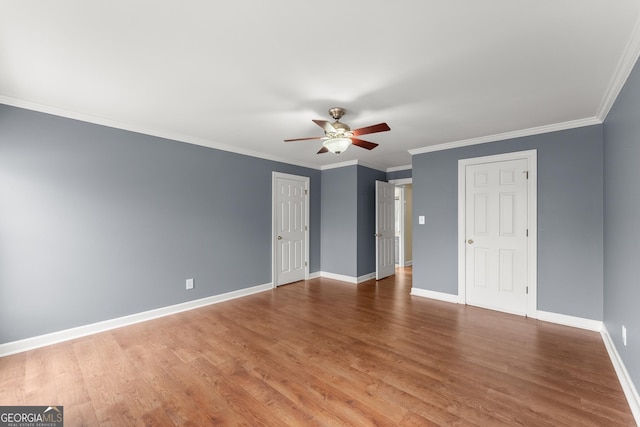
[303, 139]
[380, 127]
[364, 144]
[323, 150]
[325, 125]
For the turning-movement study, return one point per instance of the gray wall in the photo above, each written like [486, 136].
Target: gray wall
[622, 223]
[97, 223]
[348, 220]
[339, 220]
[367, 218]
[406, 173]
[570, 218]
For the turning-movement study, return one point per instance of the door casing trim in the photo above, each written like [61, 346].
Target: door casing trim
[402, 258]
[532, 218]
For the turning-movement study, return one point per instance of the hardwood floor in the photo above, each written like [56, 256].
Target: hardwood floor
[324, 352]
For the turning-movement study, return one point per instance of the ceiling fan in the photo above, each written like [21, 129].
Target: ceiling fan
[338, 136]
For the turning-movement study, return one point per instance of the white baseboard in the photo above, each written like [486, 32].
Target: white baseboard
[628, 387]
[630, 391]
[14, 347]
[408, 263]
[561, 319]
[576, 322]
[440, 296]
[93, 328]
[314, 275]
[349, 279]
[340, 277]
[366, 277]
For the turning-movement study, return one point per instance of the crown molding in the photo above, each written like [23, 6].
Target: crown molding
[509, 135]
[623, 69]
[350, 163]
[61, 112]
[370, 166]
[339, 165]
[87, 118]
[399, 168]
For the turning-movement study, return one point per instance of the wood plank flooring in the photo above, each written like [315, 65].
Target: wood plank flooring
[327, 353]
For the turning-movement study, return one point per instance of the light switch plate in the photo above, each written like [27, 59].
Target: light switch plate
[189, 283]
[421, 219]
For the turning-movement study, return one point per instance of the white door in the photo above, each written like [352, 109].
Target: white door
[496, 235]
[290, 228]
[385, 229]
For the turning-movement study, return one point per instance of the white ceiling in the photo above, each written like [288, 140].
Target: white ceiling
[245, 74]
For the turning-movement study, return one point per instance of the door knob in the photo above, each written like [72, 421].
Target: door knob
[279, 237]
[470, 241]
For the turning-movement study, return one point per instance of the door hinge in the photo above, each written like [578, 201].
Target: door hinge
[527, 232]
[305, 228]
[306, 192]
[305, 263]
[526, 174]
[527, 290]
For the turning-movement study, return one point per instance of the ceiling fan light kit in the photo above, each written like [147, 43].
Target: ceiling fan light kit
[337, 145]
[339, 136]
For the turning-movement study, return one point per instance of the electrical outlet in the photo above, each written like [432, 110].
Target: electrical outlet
[189, 283]
[624, 335]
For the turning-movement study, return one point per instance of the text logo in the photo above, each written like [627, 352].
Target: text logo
[31, 416]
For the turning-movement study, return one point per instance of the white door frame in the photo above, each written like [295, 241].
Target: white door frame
[532, 217]
[306, 179]
[401, 183]
[401, 231]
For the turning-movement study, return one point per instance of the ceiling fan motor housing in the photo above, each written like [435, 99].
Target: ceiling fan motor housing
[342, 129]
[337, 113]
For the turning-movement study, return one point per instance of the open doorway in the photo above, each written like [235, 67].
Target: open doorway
[403, 212]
